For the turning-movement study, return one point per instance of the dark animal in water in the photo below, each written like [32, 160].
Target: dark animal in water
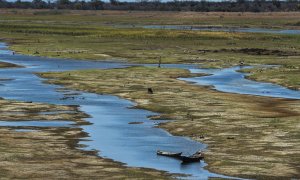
[169, 154]
[150, 91]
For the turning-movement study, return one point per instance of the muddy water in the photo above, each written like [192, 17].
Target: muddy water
[110, 132]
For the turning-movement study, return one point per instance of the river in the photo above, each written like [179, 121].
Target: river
[110, 130]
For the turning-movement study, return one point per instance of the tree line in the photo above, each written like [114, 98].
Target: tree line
[157, 5]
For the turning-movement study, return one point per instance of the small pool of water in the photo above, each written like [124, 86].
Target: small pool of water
[25, 130]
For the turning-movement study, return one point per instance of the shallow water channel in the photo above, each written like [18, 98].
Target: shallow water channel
[231, 81]
[110, 131]
[225, 29]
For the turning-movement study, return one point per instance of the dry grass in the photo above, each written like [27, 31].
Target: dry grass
[264, 19]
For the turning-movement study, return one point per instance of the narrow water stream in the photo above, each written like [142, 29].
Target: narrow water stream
[231, 81]
[111, 132]
[225, 29]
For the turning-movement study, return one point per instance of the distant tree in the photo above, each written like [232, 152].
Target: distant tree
[114, 2]
[77, 5]
[176, 5]
[63, 4]
[3, 4]
[241, 1]
[256, 6]
[276, 3]
[157, 5]
[96, 4]
[84, 5]
[39, 4]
